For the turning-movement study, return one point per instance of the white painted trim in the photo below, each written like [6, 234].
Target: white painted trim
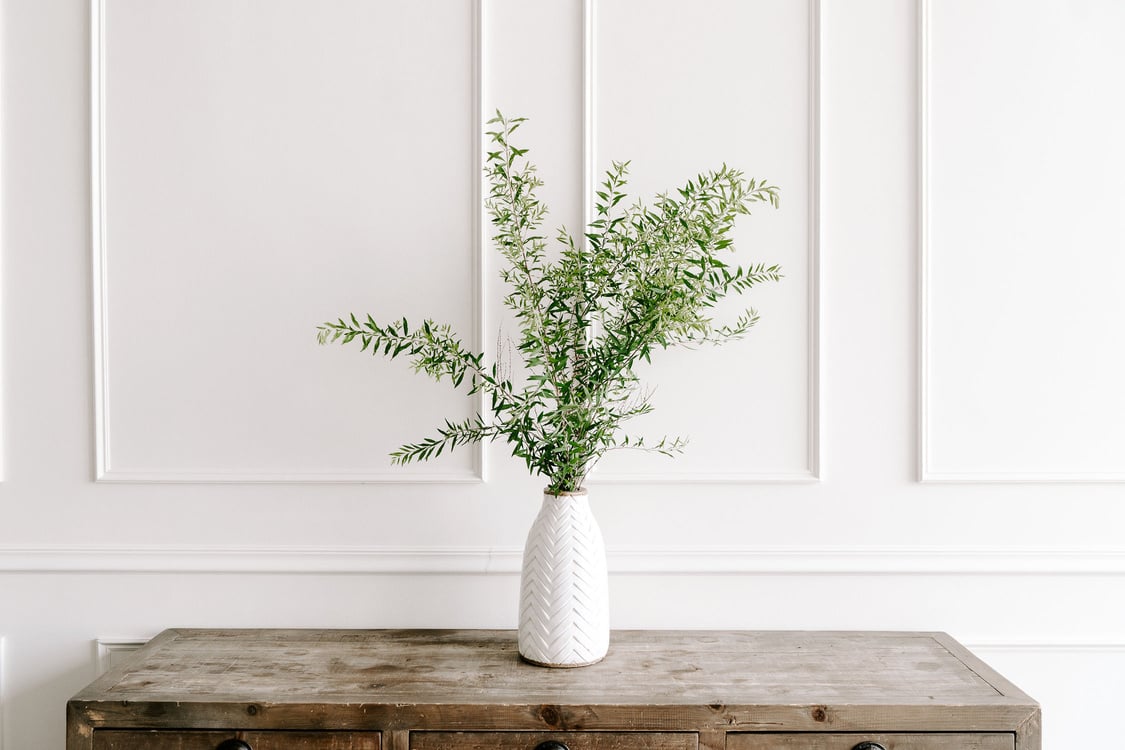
[100, 333]
[712, 477]
[3, 338]
[104, 648]
[1046, 645]
[925, 471]
[480, 242]
[812, 473]
[343, 476]
[807, 561]
[923, 287]
[103, 465]
[999, 477]
[815, 425]
[589, 111]
[3, 705]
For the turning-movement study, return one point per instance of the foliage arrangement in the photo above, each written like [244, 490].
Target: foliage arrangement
[644, 277]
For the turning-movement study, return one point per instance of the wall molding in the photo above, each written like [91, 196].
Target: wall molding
[106, 648]
[589, 180]
[1049, 646]
[3, 707]
[710, 477]
[807, 561]
[926, 472]
[104, 468]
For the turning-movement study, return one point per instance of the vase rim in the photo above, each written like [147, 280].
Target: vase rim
[580, 492]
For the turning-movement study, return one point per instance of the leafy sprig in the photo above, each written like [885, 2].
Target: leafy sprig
[640, 278]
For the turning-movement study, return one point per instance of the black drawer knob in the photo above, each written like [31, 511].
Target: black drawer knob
[869, 746]
[234, 745]
[551, 745]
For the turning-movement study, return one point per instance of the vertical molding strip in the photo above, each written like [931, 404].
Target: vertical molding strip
[924, 358]
[3, 705]
[100, 333]
[476, 188]
[3, 276]
[103, 466]
[589, 104]
[814, 427]
[923, 166]
[812, 472]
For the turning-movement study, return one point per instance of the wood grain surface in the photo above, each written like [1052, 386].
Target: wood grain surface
[422, 688]
[808, 741]
[411, 666]
[166, 740]
[572, 740]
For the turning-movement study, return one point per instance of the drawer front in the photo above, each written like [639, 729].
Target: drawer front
[568, 740]
[816, 741]
[138, 739]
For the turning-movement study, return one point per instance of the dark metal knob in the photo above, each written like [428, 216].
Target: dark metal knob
[869, 746]
[234, 745]
[551, 745]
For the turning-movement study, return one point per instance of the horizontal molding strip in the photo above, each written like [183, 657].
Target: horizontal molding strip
[343, 476]
[1016, 477]
[104, 646]
[1043, 645]
[707, 477]
[507, 560]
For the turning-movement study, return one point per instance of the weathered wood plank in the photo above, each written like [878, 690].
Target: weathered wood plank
[532, 740]
[468, 666]
[936, 717]
[888, 741]
[408, 684]
[168, 740]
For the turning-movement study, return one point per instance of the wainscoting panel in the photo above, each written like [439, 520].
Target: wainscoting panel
[679, 88]
[259, 168]
[1022, 184]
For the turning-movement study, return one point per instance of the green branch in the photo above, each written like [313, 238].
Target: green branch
[640, 278]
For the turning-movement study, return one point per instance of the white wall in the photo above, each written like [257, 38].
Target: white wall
[923, 433]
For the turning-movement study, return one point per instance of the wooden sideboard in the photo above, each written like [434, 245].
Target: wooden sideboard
[469, 690]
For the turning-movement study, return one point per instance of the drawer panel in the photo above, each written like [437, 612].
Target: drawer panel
[572, 740]
[141, 739]
[927, 741]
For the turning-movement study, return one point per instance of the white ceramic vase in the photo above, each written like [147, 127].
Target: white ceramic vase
[564, 589]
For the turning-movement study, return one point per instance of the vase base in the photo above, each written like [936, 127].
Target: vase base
[552, 665]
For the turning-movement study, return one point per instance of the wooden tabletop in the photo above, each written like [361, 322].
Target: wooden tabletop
[794, 681]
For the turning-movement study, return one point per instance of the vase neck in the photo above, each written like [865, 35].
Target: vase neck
[563, 498]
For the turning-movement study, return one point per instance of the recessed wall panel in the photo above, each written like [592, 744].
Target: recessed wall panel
[679, 88]
[264, 166]
[1023, 241]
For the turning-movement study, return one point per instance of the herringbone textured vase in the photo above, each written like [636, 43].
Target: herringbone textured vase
[564, 591]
